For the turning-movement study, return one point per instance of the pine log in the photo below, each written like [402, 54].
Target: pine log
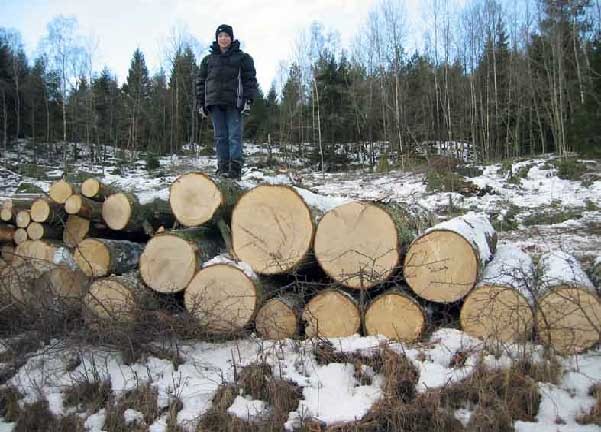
[278, 318]
[223, 298]
[443, 264]
[123, 211]
[84, 207]
[195, 198]
[568, 316]
[23, 218]
[331, 313]
[272, 229]
[396, 315]
[7, 233]
[61, 190]
[61, 287]
[98, 257]
[46, 211]
[500, 306]
[353, 253]
[94, 189]
[44, 255]
[171, 259]
[37, 231]
[111, 299]
[20, 236]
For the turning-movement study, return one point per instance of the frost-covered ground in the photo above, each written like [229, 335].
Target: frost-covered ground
[331, 392]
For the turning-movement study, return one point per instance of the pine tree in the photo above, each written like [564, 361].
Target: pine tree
[137, 92]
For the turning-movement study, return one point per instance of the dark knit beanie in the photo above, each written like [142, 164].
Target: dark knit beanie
[224, 28]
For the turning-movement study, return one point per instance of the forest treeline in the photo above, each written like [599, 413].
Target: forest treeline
[509, 78]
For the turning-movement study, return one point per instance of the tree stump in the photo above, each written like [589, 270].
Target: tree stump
[396, 315]
[443, 264]
[568, 316]
[98, 257]
[500, 306]
[331, 313]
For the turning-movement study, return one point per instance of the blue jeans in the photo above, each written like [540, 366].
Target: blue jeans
[227, 126]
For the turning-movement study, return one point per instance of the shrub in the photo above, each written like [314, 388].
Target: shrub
[152, 162]
[570, 169]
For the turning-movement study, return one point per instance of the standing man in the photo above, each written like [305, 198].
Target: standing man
[225, 89]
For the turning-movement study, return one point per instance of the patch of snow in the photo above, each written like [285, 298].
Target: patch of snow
[510, 267]
[227, 259]
[95, 422]
[147, 197]
[558, 267]
[248, 409]
[463, 415]
[133, 416]
[321, 202]
[6, 427]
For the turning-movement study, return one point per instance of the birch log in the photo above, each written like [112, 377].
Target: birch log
[443, 264]
[568, 315]
[500, 307]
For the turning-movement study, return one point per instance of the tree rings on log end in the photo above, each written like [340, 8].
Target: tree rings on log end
[23, 219]
[110, 299]
[117, 211]
[441, 266]
[276, 320]
[351, 251]
[20, 236]
[497, 312]
[331, 313]
[73, 204]
[272, 229]
[35, 231]
[90, 188]
[168, 263]
[569, 319]
[76, 229]
[222, 298]
[194, 198]
[92, 257]
[60, 191]
[396, 316]
[40, 210]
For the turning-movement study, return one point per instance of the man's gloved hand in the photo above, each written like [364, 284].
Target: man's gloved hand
[246, 107]
[202, 110]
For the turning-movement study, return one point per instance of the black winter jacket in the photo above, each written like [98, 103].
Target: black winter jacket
[227, 78]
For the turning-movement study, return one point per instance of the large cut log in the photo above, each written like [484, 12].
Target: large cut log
[17, 283]
[44, 255]
[195, 198]
[23, 218]
[46, 211]
[223, 298]
[568, 316]
[61, 190]
[279, 317]
[443, 264]
[20, 236]
[84, 207]
[61, 287]
[98, 257]
[331, 313]
[7, 252]
[396, 315]
[123, 212]
[171, 259]
[37, 231]
[111, 299]
[272, 229]
[353, 252]
[7, 233]
[95, 189]
[500, 306]
[76, 229]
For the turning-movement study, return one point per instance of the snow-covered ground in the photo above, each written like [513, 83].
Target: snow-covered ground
[331, 392]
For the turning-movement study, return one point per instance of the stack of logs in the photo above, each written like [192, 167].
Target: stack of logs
[380, 269]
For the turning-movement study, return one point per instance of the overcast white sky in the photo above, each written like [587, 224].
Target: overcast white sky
[266, 28]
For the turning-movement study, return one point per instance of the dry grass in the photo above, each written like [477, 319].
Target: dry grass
[35, 417]
[594, 415]
[89, 396]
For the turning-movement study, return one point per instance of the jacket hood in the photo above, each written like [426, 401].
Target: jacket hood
[235, 46]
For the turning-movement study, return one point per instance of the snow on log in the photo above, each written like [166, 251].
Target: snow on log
[61, 190]
[98, 257]
[331, 313]
[568, 315]
[94, 189]
[7, 233]
[500, 306]
[396, 315]
[272, 229]
[359, 244]
[61, 287]
[223, 298]
[443, 264]
[171, 259]
[37, 231]
[278, 317]
[23, 218]
[20, 236]
[123, 212]
[46, 211]
[111, 299]
[195, 198]
[84, 207]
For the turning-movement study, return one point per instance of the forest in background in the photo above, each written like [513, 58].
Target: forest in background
[509, 78]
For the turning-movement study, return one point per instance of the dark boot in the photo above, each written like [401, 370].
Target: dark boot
[223, 168]
[235, 170]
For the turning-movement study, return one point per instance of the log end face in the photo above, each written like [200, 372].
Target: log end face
[107, 299]
[331, 314]
[396, 317]
[76, 229]
[73, 204]
[60, 191]
[168, 263]
[90, 188]
[40, 210]
[194, 199]
[92, 257]
[116, 211]
[35, 231]
[276, 320]
[6, 214]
